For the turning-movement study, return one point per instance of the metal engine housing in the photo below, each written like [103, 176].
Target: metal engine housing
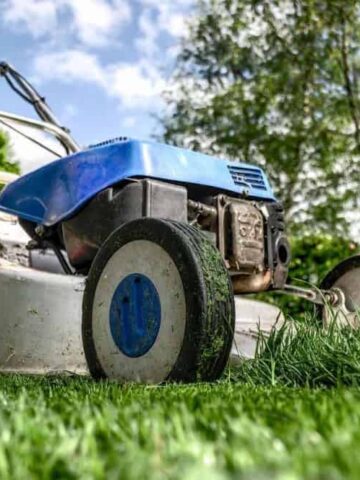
[85, 232]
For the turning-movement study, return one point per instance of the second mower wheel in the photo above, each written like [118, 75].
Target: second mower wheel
[345, 277]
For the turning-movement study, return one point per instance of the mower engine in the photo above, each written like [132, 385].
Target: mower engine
[251, 238]
[250, 235]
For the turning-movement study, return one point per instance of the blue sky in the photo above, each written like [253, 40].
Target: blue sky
[102, 64]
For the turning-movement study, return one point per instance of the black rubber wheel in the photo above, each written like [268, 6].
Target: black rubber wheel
[187, 324]
[346, 277]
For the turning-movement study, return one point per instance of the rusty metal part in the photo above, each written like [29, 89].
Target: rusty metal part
[333, 297]
[204, 215]
[247, 238]
[259, 282]
[241, 236]
[250, 237]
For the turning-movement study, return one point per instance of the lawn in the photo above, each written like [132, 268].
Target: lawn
[262, 420]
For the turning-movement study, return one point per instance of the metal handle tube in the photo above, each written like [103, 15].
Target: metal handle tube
[54, 130]
[27, 92]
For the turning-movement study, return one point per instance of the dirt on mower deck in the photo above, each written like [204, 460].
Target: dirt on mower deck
[13, 241]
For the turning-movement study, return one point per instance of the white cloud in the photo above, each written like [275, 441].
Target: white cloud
[172, 14]
[96, 21]
[134, 84]
[93, 22]
[175, 4]
[69, 111]
[129, 122]
[158, 17]
[39, 17]
[172, 22]
[147, 43]
[67, 66]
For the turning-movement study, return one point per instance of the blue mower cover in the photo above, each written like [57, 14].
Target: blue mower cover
[55, 192]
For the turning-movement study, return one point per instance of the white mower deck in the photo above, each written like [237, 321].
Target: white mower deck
[41, 313]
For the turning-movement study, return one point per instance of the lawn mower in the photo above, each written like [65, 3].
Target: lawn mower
[138, 253]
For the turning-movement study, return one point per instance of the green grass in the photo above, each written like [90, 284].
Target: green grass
[261, 421]
[73, 428]
[303, 353]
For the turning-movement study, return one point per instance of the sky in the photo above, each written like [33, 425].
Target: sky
[101, 64]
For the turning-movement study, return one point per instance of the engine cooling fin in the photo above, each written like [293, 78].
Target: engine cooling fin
[111, 141]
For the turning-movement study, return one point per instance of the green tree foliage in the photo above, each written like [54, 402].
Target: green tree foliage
[276, 83]
[6, 162]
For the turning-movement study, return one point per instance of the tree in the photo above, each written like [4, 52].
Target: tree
[276, 83]
[5, 157]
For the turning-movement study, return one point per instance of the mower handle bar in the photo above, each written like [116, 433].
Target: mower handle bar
[61, 135]
[28, 93]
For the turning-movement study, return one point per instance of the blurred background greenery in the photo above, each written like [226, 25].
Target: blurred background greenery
[276, 83]
[7, 162]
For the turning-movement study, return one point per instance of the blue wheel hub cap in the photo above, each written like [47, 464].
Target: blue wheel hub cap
[135, 315]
